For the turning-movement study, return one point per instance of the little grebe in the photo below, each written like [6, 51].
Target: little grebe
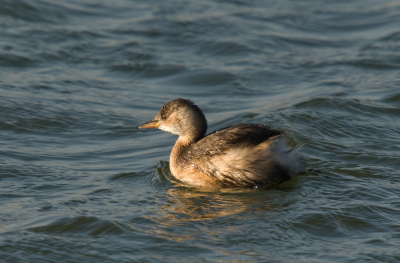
[243, 155]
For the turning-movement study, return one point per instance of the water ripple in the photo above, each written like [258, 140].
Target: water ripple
[81, 182]
[84, 225]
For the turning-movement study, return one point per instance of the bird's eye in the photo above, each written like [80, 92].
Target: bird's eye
[163, 116]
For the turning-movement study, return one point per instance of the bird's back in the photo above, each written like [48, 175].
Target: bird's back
[244, 155]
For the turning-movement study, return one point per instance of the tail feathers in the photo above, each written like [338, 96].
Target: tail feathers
[297, 148]
[288, 158]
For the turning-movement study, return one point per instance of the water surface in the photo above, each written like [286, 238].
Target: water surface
[80, 182]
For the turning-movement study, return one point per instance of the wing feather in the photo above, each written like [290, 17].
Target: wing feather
[237, 155]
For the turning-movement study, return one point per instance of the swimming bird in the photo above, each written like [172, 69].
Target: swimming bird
[242, 155]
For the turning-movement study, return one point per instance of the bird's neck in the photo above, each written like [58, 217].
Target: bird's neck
[180, 148]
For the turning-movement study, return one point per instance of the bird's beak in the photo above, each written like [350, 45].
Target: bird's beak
[150, 124]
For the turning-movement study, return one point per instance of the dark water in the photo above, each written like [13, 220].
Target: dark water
[80, 183]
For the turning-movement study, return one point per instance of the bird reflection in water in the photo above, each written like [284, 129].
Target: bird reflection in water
[193, 204]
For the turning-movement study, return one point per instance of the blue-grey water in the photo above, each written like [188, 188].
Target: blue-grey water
[79, 182]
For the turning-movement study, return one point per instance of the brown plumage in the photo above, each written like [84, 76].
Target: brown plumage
[243, 155]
